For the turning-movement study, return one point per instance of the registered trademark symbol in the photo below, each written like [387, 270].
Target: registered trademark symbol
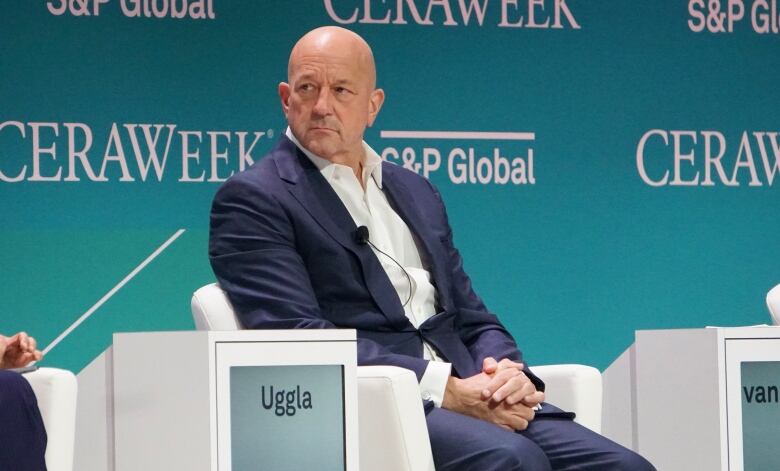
[270, 133]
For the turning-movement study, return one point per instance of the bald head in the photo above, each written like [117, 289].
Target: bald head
[334, 42]
[330, 96]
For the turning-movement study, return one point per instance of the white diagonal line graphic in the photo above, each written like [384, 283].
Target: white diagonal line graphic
[113, 291]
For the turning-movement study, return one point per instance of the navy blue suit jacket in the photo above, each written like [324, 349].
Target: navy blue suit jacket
[282, 246]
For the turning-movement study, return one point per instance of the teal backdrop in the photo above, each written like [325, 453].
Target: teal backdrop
[641, 169]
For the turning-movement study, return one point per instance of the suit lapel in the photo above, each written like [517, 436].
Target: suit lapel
[434, 254]
[318, 198]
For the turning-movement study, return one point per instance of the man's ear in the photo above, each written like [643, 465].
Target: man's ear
[284, 96]
[375, 104]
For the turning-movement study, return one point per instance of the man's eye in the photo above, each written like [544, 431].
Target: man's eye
[342, 90]
[306, 87]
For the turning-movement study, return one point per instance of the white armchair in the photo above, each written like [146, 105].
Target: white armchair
[393, 432]
[773, 303]
[56, 392]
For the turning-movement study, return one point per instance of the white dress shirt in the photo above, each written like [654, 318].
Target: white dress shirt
[390, 234]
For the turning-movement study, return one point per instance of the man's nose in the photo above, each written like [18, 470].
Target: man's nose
[323, 105]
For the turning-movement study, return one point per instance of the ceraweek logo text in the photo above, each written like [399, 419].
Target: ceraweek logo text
[532, 14]
[703, 158]
[716, 16]
[285, 402]
[176, 9]
[130, 152]
[472, 163]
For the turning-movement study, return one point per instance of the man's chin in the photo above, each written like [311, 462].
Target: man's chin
[321, 149]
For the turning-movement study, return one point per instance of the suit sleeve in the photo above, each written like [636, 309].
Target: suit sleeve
[253, 253]
[480, 330]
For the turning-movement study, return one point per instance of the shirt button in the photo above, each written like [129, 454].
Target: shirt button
[426, 396]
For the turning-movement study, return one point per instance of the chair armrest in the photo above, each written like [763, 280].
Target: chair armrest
[56, 391]
[392, 421]
[773, 303]
[575, 388]
[211, 309]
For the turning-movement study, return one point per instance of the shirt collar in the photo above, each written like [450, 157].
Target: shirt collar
[372, 163]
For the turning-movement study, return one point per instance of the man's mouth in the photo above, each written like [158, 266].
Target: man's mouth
[321, 128]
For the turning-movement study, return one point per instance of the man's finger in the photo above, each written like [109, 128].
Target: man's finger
[23, 340]
[489, 365]
[518, 385]
[31, 344]
[530, 400]
[516, 412]
[13, 340]
[534, 399]
[516, 422]
[497, 381]
[512, 385]
[521, 424]
[527, 413]
[507, 363]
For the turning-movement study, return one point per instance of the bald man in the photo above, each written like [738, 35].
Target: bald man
[322, 234]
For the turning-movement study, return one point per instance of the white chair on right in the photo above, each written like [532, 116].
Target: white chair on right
[575, 388]
[773, 303]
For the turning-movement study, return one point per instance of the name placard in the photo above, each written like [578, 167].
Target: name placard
[286, 400]
[760, 414]
[287, 417]
[752, 405]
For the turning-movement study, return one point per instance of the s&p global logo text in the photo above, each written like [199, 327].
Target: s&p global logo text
[468, 157]
[721, 16]
[285, 402]
[177, 9]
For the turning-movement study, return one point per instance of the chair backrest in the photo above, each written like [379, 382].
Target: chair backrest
[56, 391]
[773, 303]
[211, 309]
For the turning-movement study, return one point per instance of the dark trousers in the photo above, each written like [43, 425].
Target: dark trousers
[462, 443]
[22, 436]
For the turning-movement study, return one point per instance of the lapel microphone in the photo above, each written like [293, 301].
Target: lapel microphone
[361, 238]
[361, 235]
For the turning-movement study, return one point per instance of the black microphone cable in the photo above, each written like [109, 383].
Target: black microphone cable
[362, 237]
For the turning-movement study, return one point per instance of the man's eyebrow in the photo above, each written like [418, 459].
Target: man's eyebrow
[311, 75]
[344, 81]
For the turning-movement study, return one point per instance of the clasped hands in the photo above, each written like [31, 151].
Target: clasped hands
[501, 394]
